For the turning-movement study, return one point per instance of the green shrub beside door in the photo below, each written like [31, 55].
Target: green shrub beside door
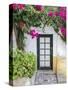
[22, 64]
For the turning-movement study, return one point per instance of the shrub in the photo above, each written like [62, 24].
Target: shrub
[22, 64]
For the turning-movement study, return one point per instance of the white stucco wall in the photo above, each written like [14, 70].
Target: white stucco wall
[59, 47]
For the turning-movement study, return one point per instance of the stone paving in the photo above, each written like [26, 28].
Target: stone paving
[41, 77]
[47, 77]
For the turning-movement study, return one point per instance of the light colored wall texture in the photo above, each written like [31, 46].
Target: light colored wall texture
[59, 50]
[59, 47]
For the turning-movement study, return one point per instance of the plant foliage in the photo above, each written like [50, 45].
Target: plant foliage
[39, 16]
[23, 64]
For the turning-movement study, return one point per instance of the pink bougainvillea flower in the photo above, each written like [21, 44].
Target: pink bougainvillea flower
[39, 8]
[50, 14]
[56, 13]
[37, 34]
[33, 32]
[63, 31]
[17, 6]
[21, 6]
[13, 6]
[62, 13]
[62, 8]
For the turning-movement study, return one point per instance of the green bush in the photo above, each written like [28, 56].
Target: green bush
[21, 64]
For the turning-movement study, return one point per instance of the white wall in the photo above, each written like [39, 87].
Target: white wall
[59, 47]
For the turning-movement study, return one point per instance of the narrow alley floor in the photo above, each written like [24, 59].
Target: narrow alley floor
[48, 77]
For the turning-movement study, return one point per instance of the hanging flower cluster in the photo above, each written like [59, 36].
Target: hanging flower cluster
[62, 13]
[63, 31]
[39, 8]
[17, 6]
[37, 15]
[50, 14]
[33, 32]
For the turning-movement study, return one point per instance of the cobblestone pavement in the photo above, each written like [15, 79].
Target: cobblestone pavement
[41, 77]
[46, 77]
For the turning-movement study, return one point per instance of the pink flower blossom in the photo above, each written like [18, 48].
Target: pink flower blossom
[21, 6]
[50, 14]
[39, 8]
[62, 8]
[13, 6]
[62, 13]
[56, 13]
[17, 6]
[63, 31]
[33, 32]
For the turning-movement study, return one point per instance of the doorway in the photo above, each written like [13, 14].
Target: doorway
[45, 51]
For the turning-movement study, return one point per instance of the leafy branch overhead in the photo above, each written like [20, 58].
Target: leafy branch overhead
[39, 16]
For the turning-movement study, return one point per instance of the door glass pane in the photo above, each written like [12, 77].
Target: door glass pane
[47, 51]
[47, 46]
[41, 57]
[41, 45]
[41, 64]
[47, 64]
[41, 39]
[41, 51]
[47, 57]
[47, 40]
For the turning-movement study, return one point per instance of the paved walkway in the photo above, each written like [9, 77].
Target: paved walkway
[41, 77]
[47, 77]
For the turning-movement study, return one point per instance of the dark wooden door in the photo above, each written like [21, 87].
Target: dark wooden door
[45, 51]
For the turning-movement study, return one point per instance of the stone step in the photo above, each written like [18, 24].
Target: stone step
[45, 77]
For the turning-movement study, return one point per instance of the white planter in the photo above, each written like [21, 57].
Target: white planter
[21, 82]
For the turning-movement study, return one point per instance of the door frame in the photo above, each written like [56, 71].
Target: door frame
[51, 51]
